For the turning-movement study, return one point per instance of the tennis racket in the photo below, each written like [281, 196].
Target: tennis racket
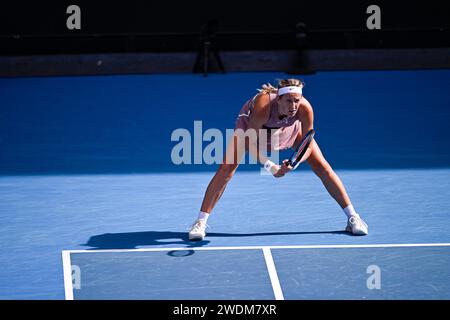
[299, 152]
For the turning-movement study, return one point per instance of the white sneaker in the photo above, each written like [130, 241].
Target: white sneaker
[198, 230]
[356, 225]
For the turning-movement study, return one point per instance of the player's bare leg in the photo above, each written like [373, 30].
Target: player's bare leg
[223, 175]
[217, 185]
[329, 178]
[336, 189]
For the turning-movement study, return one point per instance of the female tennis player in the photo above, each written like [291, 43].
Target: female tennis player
[285, 113]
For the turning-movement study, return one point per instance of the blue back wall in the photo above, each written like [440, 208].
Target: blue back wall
[123, 124]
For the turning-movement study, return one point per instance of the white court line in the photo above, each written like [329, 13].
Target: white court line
[337, 246]
[273, 274]
[67, 268]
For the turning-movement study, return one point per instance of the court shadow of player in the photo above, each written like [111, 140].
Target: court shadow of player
[132, 240]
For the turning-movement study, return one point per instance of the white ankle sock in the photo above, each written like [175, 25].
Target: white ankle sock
[350, 211]
[203, 216]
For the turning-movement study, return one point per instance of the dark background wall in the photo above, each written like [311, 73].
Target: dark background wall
[39, 27]
[139, 16]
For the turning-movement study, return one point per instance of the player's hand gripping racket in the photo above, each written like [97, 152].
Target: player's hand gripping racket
[298, 153]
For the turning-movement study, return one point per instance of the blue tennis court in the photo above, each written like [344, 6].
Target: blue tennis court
[412, 271]
[92, 207]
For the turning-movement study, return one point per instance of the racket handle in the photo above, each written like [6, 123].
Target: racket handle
[289, 163]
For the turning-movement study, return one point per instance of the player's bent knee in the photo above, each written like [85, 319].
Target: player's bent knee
[323, 170]
[227, 170]
[327, 173]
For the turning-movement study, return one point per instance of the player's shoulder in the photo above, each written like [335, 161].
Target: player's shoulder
[262, 98]
[305, 110]
[305, 102]
[261, 101]
[306, 105]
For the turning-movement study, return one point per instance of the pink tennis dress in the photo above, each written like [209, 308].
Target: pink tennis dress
[286, 129]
